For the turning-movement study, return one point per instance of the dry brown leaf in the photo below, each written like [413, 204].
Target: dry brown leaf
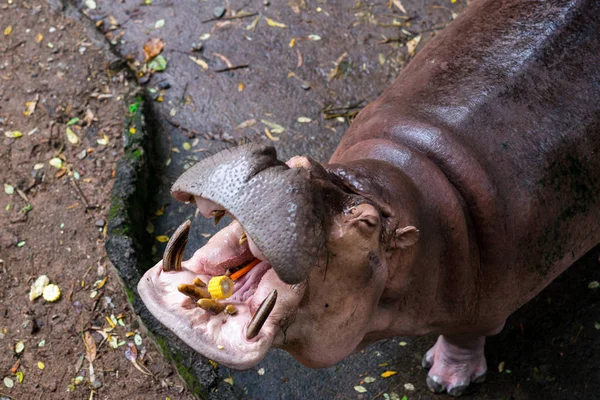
[90, 347]
[224, 59]
[152, 48]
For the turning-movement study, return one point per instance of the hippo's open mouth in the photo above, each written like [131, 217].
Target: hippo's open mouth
[236, 331]
[277, 229]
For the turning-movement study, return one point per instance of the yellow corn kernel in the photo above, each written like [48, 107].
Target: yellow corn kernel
[220, 287]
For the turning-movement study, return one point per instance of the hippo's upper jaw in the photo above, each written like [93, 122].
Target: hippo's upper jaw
[274, 208]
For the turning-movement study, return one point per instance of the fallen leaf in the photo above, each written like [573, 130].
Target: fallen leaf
[261, 371]
[594, 285]
[597, 325]
[292, 42]
[90, 347]
[7, 30]
[159, 24]
[41, 365]
[152, 48]
[8, 382]
[387, 374]
[200, 62]
[205, 36]
[224, 59]
[137, 339]
[19, 347]
[268, 133]
[412, 44]
[162, 238]
[252, 26]
[56, 163]
[71, 136]
[39, 37]
[19, 376]
[13, 134]
[240, 87]
[314, 38]
[228, 380]
[304, 120]
[73, 121]
[158, 64]
[370, 379]
[91, 4]
[9, 189]
[409, 386]
[186, 146]
[275, 128]
[360, 389]
[398, 4]
[501, 367]
[274, 23]
[247, 124]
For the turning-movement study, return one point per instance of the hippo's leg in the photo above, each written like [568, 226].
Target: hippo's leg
[455, 362]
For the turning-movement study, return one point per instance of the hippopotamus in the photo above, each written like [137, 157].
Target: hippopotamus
[454, 198]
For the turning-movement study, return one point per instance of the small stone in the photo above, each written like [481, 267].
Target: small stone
[100, 223]
[219, 12]
[163, 85]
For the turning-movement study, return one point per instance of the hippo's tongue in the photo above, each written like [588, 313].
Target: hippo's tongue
[279, 208]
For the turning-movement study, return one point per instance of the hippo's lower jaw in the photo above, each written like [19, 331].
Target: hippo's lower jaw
[222, 337]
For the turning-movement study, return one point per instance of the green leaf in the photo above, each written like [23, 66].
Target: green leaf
[73, 121]
[21, 243]
[158, 63]
[9, 189]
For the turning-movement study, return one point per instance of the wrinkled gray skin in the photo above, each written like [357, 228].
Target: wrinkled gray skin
[454, 198]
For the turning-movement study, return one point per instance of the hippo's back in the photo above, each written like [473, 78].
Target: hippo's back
[507, 103]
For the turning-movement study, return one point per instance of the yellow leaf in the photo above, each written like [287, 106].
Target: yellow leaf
[240, 87]
[39, 37]
[8, 30]
[268, 133]
[387, 374]
[162, 238]
[360, 389]
[186, 146]
[229, 380]
[41, 365]
[56, 162]
[13, 134]
[275, 23]
[200, 62]
[71, 136]
[292, 42]
[412, 44]
[252, 25]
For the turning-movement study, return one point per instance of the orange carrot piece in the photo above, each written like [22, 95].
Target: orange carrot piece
[241, 272]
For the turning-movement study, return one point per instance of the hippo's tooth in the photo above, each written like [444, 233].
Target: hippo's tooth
[218, 214]
[243, 239]
[175, 247]
[194, 291]
[261, 315]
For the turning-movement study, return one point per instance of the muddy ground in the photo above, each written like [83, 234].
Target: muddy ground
[288, 73]
[53, 218]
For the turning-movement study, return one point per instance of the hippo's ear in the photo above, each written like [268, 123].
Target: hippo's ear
[405, 237]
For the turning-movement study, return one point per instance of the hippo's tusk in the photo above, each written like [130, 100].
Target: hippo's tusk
[194, 291]
[211, 305]
[218, 214]
[175, 247]
[261, 315]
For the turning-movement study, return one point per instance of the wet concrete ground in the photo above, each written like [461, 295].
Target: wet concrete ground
[322, 61]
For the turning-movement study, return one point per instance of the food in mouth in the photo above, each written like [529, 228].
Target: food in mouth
[208, 297]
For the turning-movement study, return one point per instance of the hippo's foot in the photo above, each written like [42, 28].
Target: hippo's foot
[454, 363]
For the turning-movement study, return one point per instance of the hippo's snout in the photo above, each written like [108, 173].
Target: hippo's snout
[279, 208]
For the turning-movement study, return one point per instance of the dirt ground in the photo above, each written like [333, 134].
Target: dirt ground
[52, 219]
